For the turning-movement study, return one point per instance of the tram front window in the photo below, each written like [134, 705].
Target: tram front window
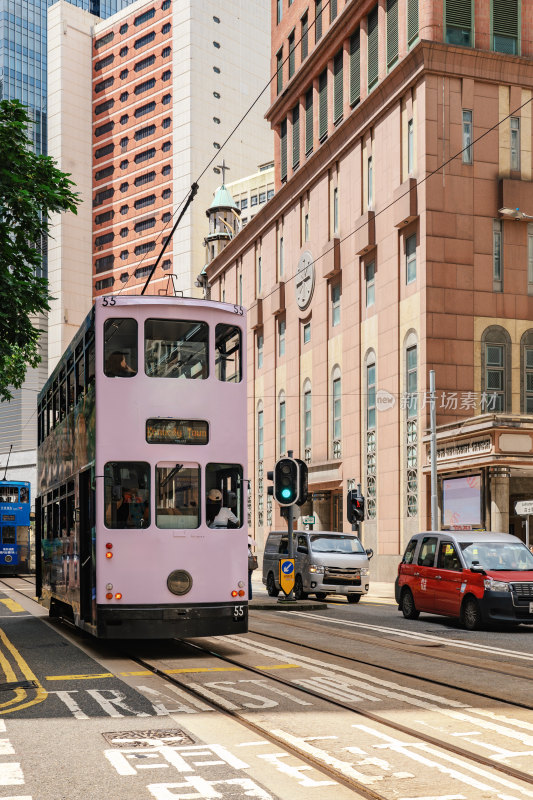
[24, 495]
[120, 348]
[223, 486]
[8, 534]
[9, 494]
[228, 353]
[176, 349]
[127, 494]
[177, 488]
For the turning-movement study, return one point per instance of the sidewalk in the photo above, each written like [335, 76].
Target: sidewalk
[378, 592]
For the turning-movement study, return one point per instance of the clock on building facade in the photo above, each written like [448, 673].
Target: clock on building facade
[305, 280]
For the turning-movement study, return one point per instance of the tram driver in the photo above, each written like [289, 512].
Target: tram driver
[117, 366]
[219, 516]
[131, 510]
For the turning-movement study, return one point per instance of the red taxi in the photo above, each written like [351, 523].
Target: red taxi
[474, 576]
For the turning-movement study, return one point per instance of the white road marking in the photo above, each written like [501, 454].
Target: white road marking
[409, 750]
[73, 707]
[6, 748]
[205, 789]
[421, 636]
[326, 758]
[276, 760]
[157, 699]
[113, 701]
[437, 797]
[10, 773]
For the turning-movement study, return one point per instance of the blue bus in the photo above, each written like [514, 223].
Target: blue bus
[14, 527]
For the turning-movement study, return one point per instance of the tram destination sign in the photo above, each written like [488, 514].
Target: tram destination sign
[177, 431]
[524, 507]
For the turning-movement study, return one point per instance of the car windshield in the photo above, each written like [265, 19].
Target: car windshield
[498, 556]
[336, 544]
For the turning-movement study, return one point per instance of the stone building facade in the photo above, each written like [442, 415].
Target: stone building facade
[401, 129]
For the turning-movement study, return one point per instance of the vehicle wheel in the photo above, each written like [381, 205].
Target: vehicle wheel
[470, 614]
[299, 589]
[408, 606]
[353, 598]
[271, 586]
[320, 596]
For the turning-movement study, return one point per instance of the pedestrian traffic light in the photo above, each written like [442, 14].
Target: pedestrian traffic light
[302, 484]
[286, 481]
[355, 506]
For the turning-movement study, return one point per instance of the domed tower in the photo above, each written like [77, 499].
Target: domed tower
[224, 220]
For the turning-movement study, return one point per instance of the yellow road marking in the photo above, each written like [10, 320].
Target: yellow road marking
[202, 669]
[78, 677]
[12, 605]
[40, 693]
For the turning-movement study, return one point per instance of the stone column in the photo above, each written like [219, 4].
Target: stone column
[499, 499]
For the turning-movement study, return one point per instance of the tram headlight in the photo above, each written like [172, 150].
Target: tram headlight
[179, 582]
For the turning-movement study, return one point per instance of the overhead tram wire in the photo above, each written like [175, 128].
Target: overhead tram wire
[188, 199]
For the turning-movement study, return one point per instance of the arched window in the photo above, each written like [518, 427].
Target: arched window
[371, 453]
[282, 421]
[260, 431]
[495, 370]
[336, 412]
[411, 426]
[526, 373]
[307, 420]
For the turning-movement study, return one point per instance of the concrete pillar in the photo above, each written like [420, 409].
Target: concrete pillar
[499, 501]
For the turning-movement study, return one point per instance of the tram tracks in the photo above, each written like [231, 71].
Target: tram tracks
[340, 772]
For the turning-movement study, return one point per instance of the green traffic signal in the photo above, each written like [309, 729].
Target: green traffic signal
[286, 493]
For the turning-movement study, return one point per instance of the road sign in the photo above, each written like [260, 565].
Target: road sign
[524, 507]
[286, 575]
[310, 520]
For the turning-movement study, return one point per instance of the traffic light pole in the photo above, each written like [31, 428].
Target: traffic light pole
[290, 536]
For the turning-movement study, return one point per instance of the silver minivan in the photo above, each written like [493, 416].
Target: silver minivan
[325, 563]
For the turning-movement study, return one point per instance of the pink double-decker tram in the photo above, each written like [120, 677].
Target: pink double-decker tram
[141, 515]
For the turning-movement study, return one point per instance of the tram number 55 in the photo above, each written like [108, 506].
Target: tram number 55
[109, 301]
[238, 612]
[238, 310]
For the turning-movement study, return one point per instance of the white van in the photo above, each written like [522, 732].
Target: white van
[325, 563]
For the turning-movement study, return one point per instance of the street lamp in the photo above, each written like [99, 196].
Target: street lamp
[514, 213]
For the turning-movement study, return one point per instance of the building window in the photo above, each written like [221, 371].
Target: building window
[306, 227]
[292, 55]
[373, 49]
[412, 22]
[281, 337]
[412, 431]
[309, 122]
[495, 374]
[240, 289]
[323, 105]
[304, 38]
[505, 26]
[336, 210]
[530, 258]
[260, 342]
[281, 257]
[307, 426]
[335, 305]
[528, 381]
[282, 424]
[307, 332]
[515, 144]
[260, 432]
[468, 155]
[410, 258]
[370, 182]
[497, 252]
[259, 275]
[355, 68]
[336, 428]
[370, 456]
[338, 82]
[458, 22]
[166, 51]
[279, 11]
[392, 33]
[283, 152]
[370, 273]
[410, 146]
[318, 20]
[279, 70]
[244, 202]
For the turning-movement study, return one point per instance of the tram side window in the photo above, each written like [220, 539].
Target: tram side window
[177, 494]
[80, 375]
[9, 534]
[120, 348]
[62, 396]
[224, 495]
[89, 355]
[127, 494]
[9, 494]
[24, 494]
[228, 360]
[176, 349]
